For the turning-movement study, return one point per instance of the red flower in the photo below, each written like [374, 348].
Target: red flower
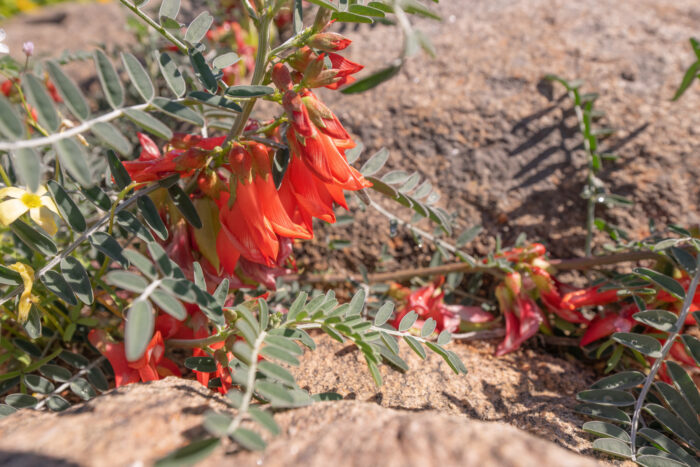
[588, 297]
[523, 317]
[551, 297]
[150, 367]
[612, 322]
[316, 75]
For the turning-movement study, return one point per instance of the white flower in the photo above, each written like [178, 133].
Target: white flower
[4, 49]
[28, 48]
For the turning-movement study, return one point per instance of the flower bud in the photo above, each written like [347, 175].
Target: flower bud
[323, 19]
[329, 41]
[28, 48]
[281, 77]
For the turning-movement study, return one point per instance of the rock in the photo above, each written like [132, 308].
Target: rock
[136, 424]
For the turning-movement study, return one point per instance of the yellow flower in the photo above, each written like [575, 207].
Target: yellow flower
[39, 204]
[26, 299]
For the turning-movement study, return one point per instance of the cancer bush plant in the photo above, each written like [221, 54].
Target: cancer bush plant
[118, 246]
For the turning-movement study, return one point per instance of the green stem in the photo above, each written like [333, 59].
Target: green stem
[34, 366]
[5, 178]
[163, 32]
[258, 75]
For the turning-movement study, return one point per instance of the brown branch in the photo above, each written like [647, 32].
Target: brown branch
[404, 274]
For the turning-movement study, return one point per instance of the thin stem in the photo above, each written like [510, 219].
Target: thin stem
[84, 236]
[250, 384]
[163, 32]
[258, 75]
[590, 219]
[197, 343]
[67, 384]
[5, 178]
[670, 340]
[76, 130]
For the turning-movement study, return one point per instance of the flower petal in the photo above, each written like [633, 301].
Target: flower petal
[10, 210]
[44, 219]
[12, 192]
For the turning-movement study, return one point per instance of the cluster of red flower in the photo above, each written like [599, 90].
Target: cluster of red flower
[248, 224]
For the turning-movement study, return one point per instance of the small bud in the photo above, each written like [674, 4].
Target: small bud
[322, 20]
[329, 41]
[230, 315]
[281, 77]
[28, 48]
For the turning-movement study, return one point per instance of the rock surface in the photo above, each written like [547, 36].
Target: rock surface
[152, 419]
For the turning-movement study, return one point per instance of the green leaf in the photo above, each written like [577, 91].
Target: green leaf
[126, 280]
[643, 344]
[685, 260]
[21, 401]
[139, 76]
[263, 314]
[605, 412]
[149, 123]
[373, 80]
[276, 372]
[169, 304]
[347, 17]
[375, 163]
[297, 306]
[10, 124]
[684, 384]
[611, 397]
[28, 166]
[622, 380]
[663, 320]
[160, 256]
[72, 97]
[407, 321]
[106, 244]
[109, 79]
[428, 327]
[284, 343]
[6, 410]
[39, 384]
[39, 98]
[168, 9]
[674, 424]
[199, 27]
[366, 11]
[606, 430]
[142, 263]
[58, 286]
[277, 353]
[650, 460]
[113, 138]
[131, 223]
[57, 403]
[468, 235]
[9, 277]
[273, 392]
[663, 442]
[171, 73]
[248, 439]
[55, 372]
[374, 371]
[34, 239]
[265, 419]
[119, 173]
[679, 404]
[27, 347]
[298, 17]
[384, 313]
[444, 337]
[665, 282]
[393, 359]
[203, 364]
[138, 330]
[324, 4]
[67, 207]
[185, 206]
[181, 288]
[214, 101]
[178, 111]
[74, 159]
[692, 344]
[613, 446]
[149, 211]
[357, 303]
[202, 71]
[249, 91]
[98, 197]
[414, 344]
[225, 60]
[688, 78]
[190, 454]
[73, 359]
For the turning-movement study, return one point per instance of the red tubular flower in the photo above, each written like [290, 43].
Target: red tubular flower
[588, 297]
[612, 322]
[150, 367]
[329, 41]
[551, 297]
[339, 74]
[522, 315]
